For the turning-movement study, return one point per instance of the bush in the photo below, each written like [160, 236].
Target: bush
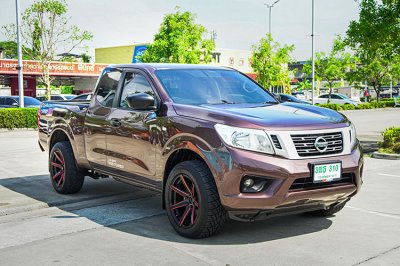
[391, 136]
[18, 118]
[364, 106]
[348, 107]
[332, 106]
[396, 147]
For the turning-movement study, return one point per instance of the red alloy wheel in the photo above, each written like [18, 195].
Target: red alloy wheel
[58, 168]
[184, 201]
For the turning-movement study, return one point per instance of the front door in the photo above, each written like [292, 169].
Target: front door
[129, 145]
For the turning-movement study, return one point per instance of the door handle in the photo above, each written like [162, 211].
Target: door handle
[115, 122]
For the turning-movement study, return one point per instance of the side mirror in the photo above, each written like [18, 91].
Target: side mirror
[278, 97]
[15, 104]
[141, 101]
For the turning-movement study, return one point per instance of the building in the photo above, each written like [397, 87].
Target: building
[82, 75]
[126, 54]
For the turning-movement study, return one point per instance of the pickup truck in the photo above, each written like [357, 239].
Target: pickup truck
[212, 141]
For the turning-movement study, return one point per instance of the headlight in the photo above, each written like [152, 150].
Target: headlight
[353, 135]
[245, 138]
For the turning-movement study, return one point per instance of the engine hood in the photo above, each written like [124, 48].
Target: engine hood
[282, 116]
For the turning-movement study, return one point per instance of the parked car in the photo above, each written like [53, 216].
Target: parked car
[212, 141]
[57, 97]
[337, 98]
[290, 98]
[13, 101]
[299, 95]
[83, 97]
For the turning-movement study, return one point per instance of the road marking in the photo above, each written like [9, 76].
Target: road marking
[374, 212]
[389, 175]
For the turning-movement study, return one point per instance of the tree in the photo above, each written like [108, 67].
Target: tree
[375, 39]
[333, 66]
[9, 49]
[44, 30]
[180, 40]
[270, 61]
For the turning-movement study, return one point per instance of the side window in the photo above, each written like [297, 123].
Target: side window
[325, 96]
[134, 83]
[2, 99]
[334, 96]
[10, 101]
[107, 88]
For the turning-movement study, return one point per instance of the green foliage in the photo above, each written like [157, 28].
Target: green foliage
[18, 118]
[45, 30]
[371, 105]
[391, 139]
[180, 40]
[375, 39]
[67, 89]
[10, 50]
[270, 61]
[332, 106]
[332, 67]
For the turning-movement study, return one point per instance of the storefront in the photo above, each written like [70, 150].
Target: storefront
[82, 75]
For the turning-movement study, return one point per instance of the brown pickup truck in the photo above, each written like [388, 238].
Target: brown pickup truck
[211, 140]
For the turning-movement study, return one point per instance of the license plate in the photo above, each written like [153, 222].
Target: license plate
[326, 172]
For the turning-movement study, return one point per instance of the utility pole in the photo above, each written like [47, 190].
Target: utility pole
[313, 54]
[270, 15]
[20, 74]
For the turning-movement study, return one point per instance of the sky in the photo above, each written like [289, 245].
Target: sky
[238, 23]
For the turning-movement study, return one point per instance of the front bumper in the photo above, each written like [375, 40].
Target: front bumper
[282, 195]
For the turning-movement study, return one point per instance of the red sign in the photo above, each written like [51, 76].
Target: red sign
[9, 66]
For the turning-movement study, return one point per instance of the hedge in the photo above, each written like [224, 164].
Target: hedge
[371, 105]
[18, 118]
[391, 140]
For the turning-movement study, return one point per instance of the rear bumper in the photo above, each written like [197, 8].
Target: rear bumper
[282, 195]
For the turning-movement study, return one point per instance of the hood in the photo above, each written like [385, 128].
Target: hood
[282, 116]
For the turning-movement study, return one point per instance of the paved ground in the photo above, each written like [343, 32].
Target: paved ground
[112, 223]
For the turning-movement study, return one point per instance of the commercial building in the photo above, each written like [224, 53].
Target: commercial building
[126, 54]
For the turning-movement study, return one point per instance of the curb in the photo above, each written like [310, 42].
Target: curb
[386, 156]
[17, 129]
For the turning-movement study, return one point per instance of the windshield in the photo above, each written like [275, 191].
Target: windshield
[211, 86]
[31, 101]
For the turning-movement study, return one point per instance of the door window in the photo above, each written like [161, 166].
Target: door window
[134, 83]
[10, 101]
[107, 88]
[2, 99]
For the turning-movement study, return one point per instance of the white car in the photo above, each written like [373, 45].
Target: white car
[337, 98]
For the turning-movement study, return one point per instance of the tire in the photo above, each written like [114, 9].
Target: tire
[66, 177]
[328, 212]
[199, 214]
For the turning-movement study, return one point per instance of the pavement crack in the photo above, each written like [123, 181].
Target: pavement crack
[376, 256]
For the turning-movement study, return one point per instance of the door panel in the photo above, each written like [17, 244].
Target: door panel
[96, 125]
[129, 145]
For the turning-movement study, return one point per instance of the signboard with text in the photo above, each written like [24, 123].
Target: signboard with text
[9, 66]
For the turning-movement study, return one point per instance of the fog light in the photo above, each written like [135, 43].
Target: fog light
[253, 184]
[248, 182]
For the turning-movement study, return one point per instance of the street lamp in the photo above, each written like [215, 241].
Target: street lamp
[270, 13]
[20, 74]
[313, 55]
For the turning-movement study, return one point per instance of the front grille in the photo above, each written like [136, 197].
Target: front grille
[306, 183]
[305, 144]
[276, 142]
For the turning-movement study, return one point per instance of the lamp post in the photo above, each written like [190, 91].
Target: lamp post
[270, 14]
[313, 55]
[20, 74]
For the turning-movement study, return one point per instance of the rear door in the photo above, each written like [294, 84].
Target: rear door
[96, 125]
[129, 145]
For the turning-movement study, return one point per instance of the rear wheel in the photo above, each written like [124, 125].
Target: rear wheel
[66, 177]
[328, 212]
[192, 201]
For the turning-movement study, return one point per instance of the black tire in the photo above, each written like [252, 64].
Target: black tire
[328, 212]
[208, 216]
[66, 177]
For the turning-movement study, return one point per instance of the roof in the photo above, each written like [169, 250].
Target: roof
[159, 66]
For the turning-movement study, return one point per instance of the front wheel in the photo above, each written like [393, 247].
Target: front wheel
[192, 201]
[66, 177]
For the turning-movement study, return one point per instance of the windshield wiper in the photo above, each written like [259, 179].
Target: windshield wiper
[227, 102]
[271, 102]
